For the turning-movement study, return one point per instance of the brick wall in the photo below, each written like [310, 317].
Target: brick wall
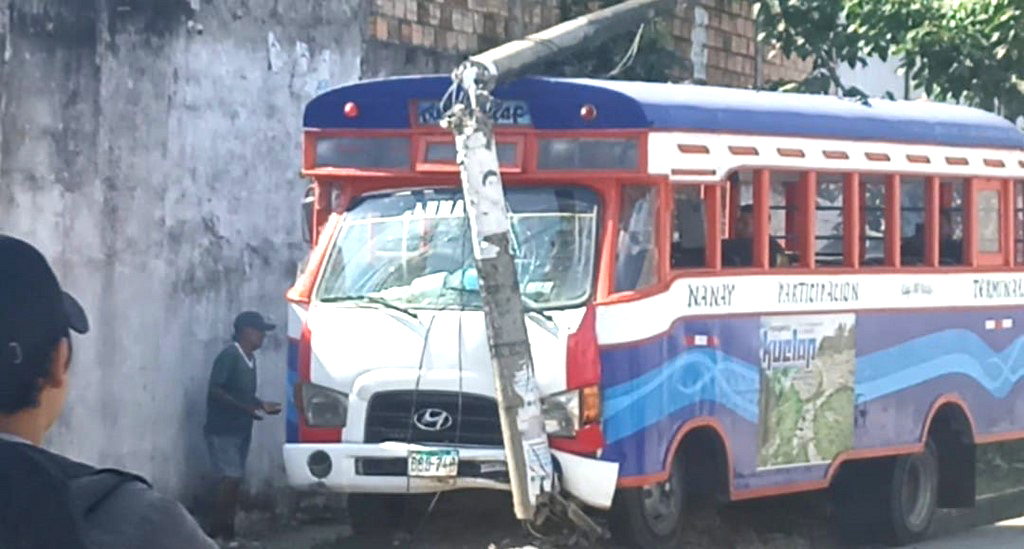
[729, 37]
[410, 36]
[778, 68]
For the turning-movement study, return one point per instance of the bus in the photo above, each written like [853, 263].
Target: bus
[730, 294]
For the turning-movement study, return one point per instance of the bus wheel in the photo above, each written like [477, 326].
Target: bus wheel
[914, 495]
[892, 498]
[652, 516]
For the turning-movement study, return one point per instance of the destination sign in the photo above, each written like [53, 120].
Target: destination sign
[503, 113]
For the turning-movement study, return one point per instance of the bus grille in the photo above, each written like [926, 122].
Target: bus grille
[389, 417]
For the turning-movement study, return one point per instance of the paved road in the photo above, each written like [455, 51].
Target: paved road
[1005, 535]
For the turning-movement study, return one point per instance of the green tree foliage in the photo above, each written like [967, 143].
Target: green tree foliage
[655, 58]
[971, 51]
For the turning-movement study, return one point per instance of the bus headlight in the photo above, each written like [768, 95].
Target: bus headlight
[322, 407]
[565, 413]
[562, 414]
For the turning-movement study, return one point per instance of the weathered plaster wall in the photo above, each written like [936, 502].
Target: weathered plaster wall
[151, 149]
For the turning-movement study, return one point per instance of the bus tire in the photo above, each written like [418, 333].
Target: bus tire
[375, 514]
[652, 516]
[891, 500]
[913, 496]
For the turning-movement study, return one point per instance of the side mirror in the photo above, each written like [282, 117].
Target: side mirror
[308, 202]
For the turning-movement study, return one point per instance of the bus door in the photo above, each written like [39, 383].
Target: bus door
[993, 233]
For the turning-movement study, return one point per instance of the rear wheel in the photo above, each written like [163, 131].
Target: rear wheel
[913, 496]
[652, 516]
[892, 500]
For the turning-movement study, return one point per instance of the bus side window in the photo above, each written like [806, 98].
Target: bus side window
[637, 251]
[873, 205]
[912, 221]
[829, 245]
[1018, 222]
[951, 222]
[988, 227]
[785, 213]
[688, 228]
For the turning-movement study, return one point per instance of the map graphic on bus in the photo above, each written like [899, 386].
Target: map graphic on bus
[807, 396]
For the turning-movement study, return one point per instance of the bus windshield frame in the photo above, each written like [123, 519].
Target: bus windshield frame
[413, 249]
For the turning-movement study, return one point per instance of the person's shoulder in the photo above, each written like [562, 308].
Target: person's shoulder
[228, 354]
[135, 515]
[36, 460]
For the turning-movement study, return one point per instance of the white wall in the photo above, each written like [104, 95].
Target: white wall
[877, 78]
[157, 167]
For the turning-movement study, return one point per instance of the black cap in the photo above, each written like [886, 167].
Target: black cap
[35, 313]
[252, 319]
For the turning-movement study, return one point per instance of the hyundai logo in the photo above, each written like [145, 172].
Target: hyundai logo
[432, 419]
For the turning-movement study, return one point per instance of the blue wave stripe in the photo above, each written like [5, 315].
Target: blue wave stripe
[695, 375]
[935, 355]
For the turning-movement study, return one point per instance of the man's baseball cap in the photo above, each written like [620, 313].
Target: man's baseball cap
[35, 313]
[252, 319]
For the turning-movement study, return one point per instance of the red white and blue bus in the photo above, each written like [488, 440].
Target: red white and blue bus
[730, 295]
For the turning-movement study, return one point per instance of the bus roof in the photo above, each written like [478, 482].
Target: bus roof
[554, 104]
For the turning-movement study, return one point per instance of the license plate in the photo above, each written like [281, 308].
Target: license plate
[433, 463]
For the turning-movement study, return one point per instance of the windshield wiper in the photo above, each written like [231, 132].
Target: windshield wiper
[530, 307]
[370, 299]
[539, 312]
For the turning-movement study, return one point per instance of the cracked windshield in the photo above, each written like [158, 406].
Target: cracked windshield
[414, 249]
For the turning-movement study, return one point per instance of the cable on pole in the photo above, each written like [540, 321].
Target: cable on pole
[630, 56]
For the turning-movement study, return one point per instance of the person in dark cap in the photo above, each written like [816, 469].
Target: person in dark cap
[739, 251]
[231, 408]
[47, 500]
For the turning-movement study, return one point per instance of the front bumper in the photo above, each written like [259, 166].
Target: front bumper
[374, 468]
[380, 468]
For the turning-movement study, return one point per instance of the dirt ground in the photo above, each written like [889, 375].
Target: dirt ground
[481, 520]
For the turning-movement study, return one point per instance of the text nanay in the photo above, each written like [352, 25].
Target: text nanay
[710, 295]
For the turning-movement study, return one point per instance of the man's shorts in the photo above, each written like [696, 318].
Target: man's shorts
[228, 454]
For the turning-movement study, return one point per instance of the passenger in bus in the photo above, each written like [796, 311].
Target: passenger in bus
[739, 251]
[950, 249]
[688, 230]
[912, 247]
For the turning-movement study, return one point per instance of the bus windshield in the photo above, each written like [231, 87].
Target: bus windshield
[414, 249]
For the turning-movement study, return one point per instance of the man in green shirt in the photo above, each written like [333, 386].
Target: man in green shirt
[231, 408]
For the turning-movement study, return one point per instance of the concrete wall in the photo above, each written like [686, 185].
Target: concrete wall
[151, 149]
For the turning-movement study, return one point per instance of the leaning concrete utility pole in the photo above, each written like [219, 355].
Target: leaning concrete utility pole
[526, 445]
